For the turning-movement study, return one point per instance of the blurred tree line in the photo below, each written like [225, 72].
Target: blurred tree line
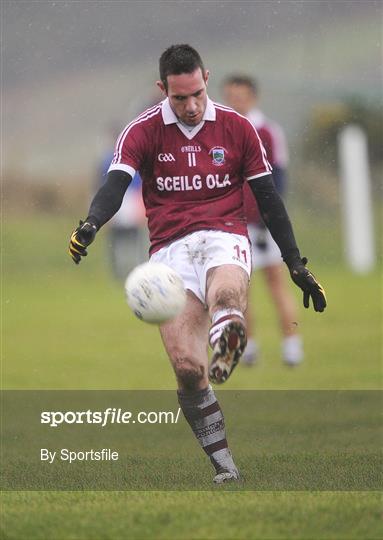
[327, 120]
[314, 189]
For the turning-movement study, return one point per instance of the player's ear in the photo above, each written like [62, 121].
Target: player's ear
[206, 76]
[161, 86]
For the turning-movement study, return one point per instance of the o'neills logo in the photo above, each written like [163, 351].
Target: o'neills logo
[218, 155]
[191, 148]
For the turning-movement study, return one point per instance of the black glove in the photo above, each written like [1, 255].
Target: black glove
[80, 240]
[309, 285]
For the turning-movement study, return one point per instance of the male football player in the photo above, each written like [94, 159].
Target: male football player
[241, 93]
[193, 156]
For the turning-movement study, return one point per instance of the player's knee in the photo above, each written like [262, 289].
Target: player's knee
[188, 372]
[226, 297]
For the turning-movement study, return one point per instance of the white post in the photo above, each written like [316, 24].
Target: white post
[356, 199]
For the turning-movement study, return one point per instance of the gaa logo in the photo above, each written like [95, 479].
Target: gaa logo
[166, 157]
[218, 155]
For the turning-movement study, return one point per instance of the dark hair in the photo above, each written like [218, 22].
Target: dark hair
[242, 80]
[179, 59]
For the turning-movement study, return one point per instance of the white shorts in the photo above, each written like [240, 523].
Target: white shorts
[262, 258]
[193, 255]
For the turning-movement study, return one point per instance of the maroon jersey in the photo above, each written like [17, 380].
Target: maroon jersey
[192, 176]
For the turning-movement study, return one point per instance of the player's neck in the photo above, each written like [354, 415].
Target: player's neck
[189, 128]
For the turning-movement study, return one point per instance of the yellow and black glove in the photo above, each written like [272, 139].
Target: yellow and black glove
[80, 240]
[309, 285]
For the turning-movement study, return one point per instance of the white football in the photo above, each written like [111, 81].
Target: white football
[155, 292]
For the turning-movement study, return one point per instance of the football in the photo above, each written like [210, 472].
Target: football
[155, 292]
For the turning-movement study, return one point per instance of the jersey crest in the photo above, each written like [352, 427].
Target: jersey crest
[218, 155]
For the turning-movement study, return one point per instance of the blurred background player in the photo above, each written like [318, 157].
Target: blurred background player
[127, 232]
[241, 93]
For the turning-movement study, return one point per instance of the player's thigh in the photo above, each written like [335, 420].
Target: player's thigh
[185, 338]
[227, 287]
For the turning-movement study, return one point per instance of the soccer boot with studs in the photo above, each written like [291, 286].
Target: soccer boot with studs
[227, 352]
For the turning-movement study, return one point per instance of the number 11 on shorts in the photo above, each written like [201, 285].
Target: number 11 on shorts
[241, 255]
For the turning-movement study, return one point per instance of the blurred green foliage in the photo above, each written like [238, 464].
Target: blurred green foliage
[328, 119]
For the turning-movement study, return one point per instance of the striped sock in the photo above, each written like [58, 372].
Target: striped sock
[222, 318]
[204, 415]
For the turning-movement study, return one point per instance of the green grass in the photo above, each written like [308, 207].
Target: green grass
[68, 327]
[191, 515]
[78, 324]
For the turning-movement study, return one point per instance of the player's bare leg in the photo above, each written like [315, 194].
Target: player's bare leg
[226, 296]
[292, 351]
[185, 340]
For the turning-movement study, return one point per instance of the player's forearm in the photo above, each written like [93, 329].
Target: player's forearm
[275, 216]
[108, 199]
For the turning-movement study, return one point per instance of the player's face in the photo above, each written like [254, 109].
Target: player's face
[187, 95]
[239, 97]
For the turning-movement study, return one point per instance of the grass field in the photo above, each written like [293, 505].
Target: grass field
[68, 327]
[165, 515]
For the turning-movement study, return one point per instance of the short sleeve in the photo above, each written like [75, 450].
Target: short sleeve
[129, 150]
[268, 143]
[255, 162]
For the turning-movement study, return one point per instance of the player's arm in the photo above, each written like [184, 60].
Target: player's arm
[275, 216]
[105, 204]
[279, 177]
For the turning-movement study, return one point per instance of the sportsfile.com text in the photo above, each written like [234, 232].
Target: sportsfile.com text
[111, 415]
